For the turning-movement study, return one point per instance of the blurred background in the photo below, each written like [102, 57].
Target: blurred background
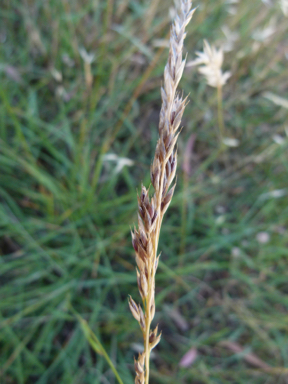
[80, 100]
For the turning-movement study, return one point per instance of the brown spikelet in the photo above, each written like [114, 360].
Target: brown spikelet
[134, 308]
[155, 341]
[139, 369]
[151, 210]
[142, 319]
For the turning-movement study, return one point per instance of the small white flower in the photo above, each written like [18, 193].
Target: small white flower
[212, 60]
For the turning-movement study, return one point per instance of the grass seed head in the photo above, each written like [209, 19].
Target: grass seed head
[151, 211]
[210, 61]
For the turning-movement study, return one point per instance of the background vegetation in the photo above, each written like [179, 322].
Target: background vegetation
[80, 98]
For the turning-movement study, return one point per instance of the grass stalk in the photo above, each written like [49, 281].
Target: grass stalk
[220, 114]
[151, 211]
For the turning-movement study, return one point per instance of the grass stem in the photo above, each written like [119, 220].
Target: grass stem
[220, 115]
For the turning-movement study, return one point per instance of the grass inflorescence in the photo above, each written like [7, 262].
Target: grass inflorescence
[145, 239]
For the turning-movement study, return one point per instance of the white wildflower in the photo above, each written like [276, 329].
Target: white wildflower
[212, 60]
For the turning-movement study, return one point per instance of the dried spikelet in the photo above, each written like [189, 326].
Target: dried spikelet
[151, 210]
[154, 338]
[139, 369]
[142, 319]
[134, 309]
[212, 60]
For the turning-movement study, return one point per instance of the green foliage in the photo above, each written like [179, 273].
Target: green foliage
[66, 211]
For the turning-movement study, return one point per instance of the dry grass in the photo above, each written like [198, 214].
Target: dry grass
[151, 212]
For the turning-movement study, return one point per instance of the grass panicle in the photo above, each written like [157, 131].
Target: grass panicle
[151, 211]
[211, 61]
